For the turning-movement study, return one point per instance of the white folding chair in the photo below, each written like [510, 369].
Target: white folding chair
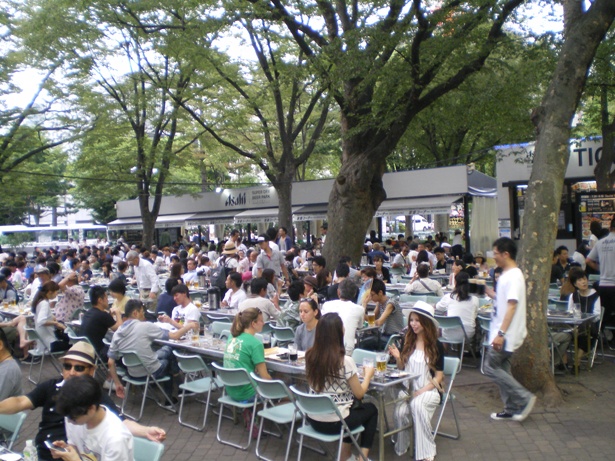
[451, 367]
[12, 424]
[234, 377]
[34, 336]
[286, 413]
[132, 360]
[147, 450]
[322, 404]
[198, 380]
[453, 326]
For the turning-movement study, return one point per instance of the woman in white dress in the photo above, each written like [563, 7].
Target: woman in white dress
[44, 321]
[422, 355]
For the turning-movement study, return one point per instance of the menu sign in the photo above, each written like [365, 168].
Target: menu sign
[594, 206]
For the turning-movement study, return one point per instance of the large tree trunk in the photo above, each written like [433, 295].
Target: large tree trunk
[284, 188]
[605, 177]
[356, 195]
[583, 33]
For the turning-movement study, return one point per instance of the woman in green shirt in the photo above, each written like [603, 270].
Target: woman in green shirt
[243, 350]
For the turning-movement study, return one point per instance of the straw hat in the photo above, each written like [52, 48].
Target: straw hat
[82, 352]
[426, 310]
[229, 248]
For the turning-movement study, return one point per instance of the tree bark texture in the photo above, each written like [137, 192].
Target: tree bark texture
[605, 177]
[356, 195]
[583, 34]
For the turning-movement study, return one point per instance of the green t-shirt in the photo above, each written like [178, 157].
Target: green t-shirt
[244, 351]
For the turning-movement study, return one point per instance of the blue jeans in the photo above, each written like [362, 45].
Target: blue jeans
[514, 395]
[168, 367]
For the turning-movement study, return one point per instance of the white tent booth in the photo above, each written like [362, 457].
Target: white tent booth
[429, 191]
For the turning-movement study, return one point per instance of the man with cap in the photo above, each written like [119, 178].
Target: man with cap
[270, 259]
[145, 275]
[41, 276]
[79, 360]
[507, 333]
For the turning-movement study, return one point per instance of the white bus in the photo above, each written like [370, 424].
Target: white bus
[20, 237]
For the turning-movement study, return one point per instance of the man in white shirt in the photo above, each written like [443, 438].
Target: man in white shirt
[258, 290]
[507, 333]
[185, 312]
[234, 295]
[351, 314]
[145, 275]
[602, 258]
[424, 284]
[270, 259]
[191, 275]
[92, 430]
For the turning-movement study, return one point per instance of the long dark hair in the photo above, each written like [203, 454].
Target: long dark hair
[462, 287]
[325, 358]
[243, 320]
[43, 291]
[430, 338]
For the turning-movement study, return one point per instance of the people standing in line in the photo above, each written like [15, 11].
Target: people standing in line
[507, 333]
[423, 356]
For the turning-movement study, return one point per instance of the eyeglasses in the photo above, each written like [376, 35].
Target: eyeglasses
[78, 368]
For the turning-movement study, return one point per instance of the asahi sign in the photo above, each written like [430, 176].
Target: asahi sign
[260, 197]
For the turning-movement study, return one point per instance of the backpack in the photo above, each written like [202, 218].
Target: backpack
[219, 274]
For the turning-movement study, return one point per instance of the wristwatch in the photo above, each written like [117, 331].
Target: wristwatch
[501, 334]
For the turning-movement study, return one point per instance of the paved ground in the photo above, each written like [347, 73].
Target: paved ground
[581, 429]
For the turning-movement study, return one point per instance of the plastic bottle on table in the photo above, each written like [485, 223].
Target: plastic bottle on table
[29, 452]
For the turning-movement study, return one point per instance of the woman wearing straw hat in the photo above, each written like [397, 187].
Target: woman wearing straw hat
[422, 355]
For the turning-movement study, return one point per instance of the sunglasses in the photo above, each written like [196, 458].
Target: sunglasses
[78, 368]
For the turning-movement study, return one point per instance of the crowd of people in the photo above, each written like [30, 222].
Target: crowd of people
[325, 308]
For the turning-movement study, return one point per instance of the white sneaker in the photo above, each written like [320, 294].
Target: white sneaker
[526, 411]
[109, 384]
[608, 334]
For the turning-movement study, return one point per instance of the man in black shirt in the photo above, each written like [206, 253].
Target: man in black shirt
[97, 321]
[78, 361]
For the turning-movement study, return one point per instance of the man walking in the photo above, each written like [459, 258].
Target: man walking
[507, 333]
[602, 258]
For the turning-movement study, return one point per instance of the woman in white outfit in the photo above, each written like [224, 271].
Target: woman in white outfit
[422, 355]
[44, 321]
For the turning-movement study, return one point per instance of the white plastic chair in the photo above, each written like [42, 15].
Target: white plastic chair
[451, 367]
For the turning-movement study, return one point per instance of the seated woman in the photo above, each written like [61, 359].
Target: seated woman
[330, 371]
[382, 273]
[243, 350]
[422, 355]
[461, 304]
[273, 288]
[389, 316]
[44, 321]
[323, 281]
[117, 290]
[589, 301]
[310, 314]
[458, 266]
[368, 275]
